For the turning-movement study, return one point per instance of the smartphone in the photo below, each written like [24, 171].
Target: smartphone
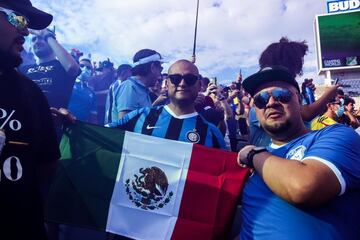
[214, 80]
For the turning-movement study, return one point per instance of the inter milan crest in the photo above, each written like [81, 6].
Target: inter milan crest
[193, 136]
[148, 189]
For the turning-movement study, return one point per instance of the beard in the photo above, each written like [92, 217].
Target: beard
[9, 61]
[278, 128]
[183, 102]
[42, 53]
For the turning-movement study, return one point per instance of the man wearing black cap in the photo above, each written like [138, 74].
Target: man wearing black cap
[134, 92]
[306, 184]
[28, 147]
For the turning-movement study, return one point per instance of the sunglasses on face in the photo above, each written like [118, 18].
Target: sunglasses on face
[85, 66]
[279, 94]
[190, 79]
[17, 20]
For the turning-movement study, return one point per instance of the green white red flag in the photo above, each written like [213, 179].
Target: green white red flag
[144, 187]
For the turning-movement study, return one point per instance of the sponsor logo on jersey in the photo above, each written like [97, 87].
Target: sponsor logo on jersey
[148, 127]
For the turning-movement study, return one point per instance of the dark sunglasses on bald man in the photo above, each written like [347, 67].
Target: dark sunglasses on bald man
[190, 79]
[279, 94]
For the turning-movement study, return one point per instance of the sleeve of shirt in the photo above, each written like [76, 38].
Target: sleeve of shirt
[217, 136]
[128, 121]
[338, 147]
[126, 99]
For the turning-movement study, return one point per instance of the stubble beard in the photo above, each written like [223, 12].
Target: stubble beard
[182, 102]
[278, 129]
[8, 60]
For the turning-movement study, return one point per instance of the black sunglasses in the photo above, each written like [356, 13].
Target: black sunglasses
[190, 79]
[279, 94]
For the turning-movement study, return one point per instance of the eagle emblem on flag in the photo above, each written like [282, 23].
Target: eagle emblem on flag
[148, 188]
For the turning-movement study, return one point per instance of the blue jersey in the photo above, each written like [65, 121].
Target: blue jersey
[126, 96]
[162, 122]
[267, 216]
[82, 102]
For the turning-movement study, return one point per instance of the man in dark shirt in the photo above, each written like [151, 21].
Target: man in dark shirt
[28, 147]
[57, 69]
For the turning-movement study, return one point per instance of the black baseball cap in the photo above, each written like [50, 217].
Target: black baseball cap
[268, 74]
[37, 19]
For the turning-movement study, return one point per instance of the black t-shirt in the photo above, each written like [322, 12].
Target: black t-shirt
[30, 141]
[53, 80]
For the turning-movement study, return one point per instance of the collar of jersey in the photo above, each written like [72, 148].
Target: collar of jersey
[275, 146]
[190, 115]
[138, 82]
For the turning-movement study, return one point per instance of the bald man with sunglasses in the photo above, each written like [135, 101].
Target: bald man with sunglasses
[178, 120]
[28, 146]
[306, 184]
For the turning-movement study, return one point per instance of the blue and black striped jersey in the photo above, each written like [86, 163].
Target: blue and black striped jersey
[162, 122]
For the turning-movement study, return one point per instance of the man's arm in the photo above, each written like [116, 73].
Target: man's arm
[354, 123]
[308, 183]
[66, 60]
[121, 114]
[309, 112]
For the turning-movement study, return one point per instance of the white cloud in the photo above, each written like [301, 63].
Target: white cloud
[231, 33]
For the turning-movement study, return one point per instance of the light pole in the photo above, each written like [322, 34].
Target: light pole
[196, 22]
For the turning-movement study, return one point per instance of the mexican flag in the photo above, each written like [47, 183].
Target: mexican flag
[144, 187]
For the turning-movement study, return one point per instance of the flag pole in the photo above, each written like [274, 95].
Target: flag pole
[195, 35]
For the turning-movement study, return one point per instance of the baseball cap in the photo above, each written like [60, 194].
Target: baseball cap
[268, 74]
[37, 19]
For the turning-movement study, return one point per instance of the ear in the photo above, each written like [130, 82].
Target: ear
[153, 67]
[300, 98]
[329, 106]
[198, 86]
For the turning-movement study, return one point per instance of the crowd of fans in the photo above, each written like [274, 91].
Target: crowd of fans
[304, 181]
[96, 98]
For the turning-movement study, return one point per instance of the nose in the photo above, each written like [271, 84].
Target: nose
[271, 102]
[182, 82]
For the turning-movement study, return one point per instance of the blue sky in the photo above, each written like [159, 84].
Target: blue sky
[231, 33]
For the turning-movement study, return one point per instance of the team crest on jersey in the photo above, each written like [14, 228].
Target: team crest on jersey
[148, 189]
[296, 153]
[193, 136]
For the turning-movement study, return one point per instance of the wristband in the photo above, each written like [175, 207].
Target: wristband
[251, 154]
